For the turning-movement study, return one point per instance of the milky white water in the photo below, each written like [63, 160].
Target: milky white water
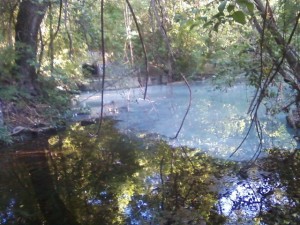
[217, 121]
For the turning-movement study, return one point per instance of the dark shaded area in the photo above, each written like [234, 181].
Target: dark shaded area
[124, 179]
[30, 16]
[90, 70]
[51, 205]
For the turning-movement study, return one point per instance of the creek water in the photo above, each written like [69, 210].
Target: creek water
[133, 173]
[217, 121]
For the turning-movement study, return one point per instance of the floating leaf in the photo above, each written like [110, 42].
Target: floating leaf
[239, 17]
[222, 6]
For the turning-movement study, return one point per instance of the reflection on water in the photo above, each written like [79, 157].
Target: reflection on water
[249, 199]
[78, 178]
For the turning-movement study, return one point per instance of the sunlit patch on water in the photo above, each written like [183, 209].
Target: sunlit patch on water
[142, 208]
[244, 201]
[216, 123]
[133, 180]
[7, 215]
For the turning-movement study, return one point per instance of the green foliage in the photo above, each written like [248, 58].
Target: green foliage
[7, 63]
[239, 17]
[54, 95]
[5, 137]
[9, 93]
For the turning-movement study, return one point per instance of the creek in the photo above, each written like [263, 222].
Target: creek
[217, 121]
[135, 173]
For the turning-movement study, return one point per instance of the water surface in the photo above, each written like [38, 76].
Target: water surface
[217, 122]
[135, 173]
[78, 178]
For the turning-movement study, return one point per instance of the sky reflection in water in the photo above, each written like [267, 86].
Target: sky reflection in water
[119, 180]
[216, 123]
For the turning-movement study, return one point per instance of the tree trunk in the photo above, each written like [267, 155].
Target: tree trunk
[30, 16]
[51, 205]
[165, 38]
[291, 55]
[284, 74]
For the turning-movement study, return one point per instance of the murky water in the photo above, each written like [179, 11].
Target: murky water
[134, 173]
[78, 178]
[217, 122]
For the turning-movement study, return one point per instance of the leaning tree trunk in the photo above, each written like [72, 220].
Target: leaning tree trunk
[292, 57]
[51, 205]
[30, 16]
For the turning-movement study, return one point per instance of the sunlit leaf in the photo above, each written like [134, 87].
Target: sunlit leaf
[239, 17]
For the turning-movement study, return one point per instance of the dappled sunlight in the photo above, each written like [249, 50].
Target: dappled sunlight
[120, 180]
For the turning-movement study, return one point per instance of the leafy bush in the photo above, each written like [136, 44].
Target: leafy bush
[7, 63]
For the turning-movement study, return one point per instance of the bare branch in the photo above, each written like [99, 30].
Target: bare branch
[59, 19]
[103, 66]
[188, 108]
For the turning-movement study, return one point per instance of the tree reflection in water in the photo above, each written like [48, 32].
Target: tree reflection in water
[76, 178]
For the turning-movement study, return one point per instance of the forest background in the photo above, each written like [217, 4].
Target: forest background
[44, 43]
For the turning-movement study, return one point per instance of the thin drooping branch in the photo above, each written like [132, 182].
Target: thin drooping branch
[162, 182]
[67, 29]
[276, 67]
[143, 46]
[286, 76]
[291, 55]
[188, 108]
[59, 19]
[253, 108]
[41, 53]
[51, 44]
[52, 36]
[103, 66]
